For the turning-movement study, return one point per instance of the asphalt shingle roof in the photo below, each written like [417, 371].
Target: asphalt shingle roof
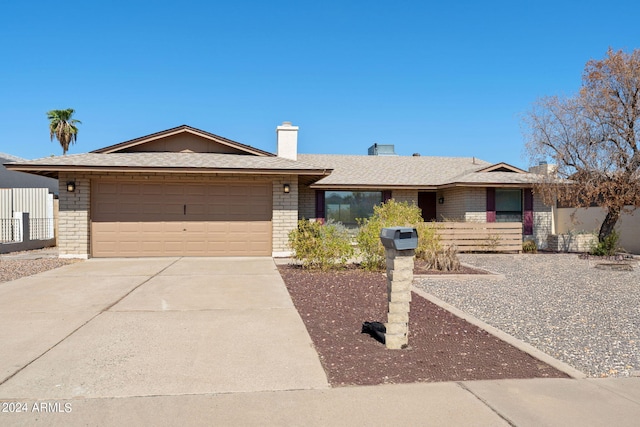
[404, 171]
[355, 171]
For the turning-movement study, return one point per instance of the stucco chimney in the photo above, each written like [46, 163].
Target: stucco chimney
[287, 141]
[543, 168]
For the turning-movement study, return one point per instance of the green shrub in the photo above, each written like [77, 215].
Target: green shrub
[608, 246]
[403, 214]
[529, 247]
[389, 214]
[319, 246]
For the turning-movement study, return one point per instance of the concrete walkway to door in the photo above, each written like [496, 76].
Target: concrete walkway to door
[108, 328]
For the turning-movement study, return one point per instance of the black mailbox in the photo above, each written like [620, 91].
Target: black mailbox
[399, 238]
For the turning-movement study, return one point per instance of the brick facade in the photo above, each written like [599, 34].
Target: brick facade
[466, 204]
[306, 202]
[409, 196]
[285, 214]
[73, 216]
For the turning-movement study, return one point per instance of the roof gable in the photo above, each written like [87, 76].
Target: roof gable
[183, 139]
[502, 167]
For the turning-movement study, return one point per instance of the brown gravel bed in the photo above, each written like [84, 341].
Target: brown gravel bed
[442, 347]
[12, 269]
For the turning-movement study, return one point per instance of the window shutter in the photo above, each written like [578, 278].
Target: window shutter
[320, 204]
[386, 196]
[527, 217]
[491, 204]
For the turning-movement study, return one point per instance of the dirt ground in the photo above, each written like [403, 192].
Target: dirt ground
[442, 347]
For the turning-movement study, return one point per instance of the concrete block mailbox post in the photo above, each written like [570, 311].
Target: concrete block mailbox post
[399, 244]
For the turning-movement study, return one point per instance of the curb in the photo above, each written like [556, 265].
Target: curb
[489, 275]
[509, 339]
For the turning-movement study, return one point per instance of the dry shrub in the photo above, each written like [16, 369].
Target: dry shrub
[442, 259]
[321, 247]
[529, 247]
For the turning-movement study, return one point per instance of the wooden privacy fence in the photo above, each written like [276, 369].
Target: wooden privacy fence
[481, 237]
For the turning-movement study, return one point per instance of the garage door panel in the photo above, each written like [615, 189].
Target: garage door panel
[150, 219]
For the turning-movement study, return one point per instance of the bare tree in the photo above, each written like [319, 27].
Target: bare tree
[592, 138]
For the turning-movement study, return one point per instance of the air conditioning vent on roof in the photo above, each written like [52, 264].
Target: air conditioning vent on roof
[382, 150]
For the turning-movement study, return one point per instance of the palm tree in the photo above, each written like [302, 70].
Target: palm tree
[63, 127]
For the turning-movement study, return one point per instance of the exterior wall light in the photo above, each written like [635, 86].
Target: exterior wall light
[71, 186]
[441, 200]
[286, 188]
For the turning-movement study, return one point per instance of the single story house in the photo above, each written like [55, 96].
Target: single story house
[187, 192]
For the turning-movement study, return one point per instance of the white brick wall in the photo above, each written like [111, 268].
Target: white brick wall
[73, 217]
[285, 213]
[306, 202]
[466, 204]
[409, 196]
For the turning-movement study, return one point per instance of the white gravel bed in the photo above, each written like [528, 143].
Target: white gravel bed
[12, 269]
[560, 304]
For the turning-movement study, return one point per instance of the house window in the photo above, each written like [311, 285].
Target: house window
[347, 206]
[508, 205]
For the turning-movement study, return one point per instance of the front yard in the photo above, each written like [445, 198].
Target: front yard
[442, 347]
[559, 303]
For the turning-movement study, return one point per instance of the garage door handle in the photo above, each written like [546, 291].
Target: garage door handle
[185, 209]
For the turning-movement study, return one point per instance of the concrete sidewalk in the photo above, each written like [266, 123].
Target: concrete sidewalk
[535, 402]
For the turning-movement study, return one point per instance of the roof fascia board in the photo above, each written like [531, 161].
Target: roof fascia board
[486, 184]
[132, 169]
[371, 187]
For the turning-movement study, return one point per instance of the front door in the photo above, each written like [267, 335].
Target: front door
[427, 203]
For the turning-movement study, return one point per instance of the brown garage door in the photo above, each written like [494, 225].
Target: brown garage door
[131, 219]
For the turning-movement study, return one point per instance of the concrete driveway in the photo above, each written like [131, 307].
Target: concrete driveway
[109, 328]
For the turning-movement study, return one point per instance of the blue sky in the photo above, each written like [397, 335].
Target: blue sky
[438, 79]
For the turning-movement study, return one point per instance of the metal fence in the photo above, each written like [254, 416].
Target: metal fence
[40, 228]
[11, 230]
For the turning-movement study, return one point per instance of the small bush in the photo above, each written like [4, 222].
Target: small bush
[608, 246]
[443, 259]
[321, 247]
[389, 214]
[403, 214]
[529, 247]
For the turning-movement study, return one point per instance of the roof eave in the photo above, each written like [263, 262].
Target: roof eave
[488, 184]
[372, 187]
[50, 171]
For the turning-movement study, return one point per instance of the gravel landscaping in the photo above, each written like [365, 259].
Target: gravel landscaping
[559, 303]
[442, 347]
[15, 265]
